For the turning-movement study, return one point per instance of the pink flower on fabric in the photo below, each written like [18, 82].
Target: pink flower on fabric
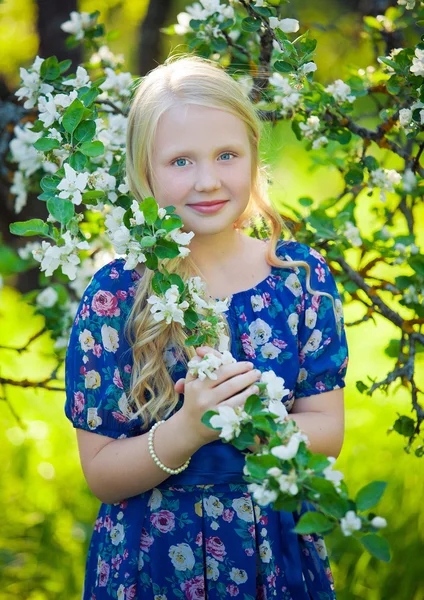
[277, 570]
[146, 540]
[317, 255]
[116, 562]
[127, 369]
[122, 294]
[302, 357]
[125, 555]
[329, 575]
[252, 531]
[320, 386]
[279, 343]
[104, 570]
[117, 379]
[249, 551]
[199, 538]
[271, 283]
[135, 276]
[232, 589]
[164, 521]
[105, 304]
[321, 273]
[131, 291]
[130, 592]
[228, 515]
[79, 402]
[82, 370]
[263, 520]
[194, 588]
[315, 302]
[85, 312]
[305, 551]
[266, 296]
[247, 346]
[97, 350]
[107, 523]
[114, 273]
[99, 524]
[243, 317]
[123, 504]
[271, 579]
[215, 547]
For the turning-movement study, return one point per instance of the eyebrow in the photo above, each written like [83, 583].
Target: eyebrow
[170, 153]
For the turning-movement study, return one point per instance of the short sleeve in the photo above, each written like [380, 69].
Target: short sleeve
[322, 344]
[98, 359]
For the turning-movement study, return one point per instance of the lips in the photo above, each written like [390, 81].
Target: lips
[208, 207]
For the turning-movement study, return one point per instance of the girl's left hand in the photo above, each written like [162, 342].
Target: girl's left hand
[201, 351]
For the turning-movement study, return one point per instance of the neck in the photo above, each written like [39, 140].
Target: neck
[209, 251]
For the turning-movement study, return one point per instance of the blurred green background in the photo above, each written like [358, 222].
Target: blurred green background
[47, 510]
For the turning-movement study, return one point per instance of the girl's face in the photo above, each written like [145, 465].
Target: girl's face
[202, 165]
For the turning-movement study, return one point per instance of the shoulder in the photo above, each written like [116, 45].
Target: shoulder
[112, 276]
[294, 250]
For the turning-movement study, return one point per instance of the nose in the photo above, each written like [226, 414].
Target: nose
[206, 180]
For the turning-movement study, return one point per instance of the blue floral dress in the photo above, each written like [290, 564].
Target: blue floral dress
[199, 534]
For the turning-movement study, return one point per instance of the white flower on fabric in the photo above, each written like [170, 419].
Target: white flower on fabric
[293, 322]
[289, 450]
[82, 79]
[47, 298]
[257, 302]
[243, 508]
[417, 67]
[19, 189]
[93, 419]
[385, 179]
[169, 307]
[310, 318]
[275, 389]
[182, 557]
[292, 282]
[78, 24]
[212, 568]
[238, 575]
[73, 185]
[125, 407]
[213, 507]
[350, 523]
[23, 151]
[180, 237]
[155, 500]
[285, 25]
[110, 338]
[303, 374]
[339, 309]
[379, 522]
[321, 548]
[405, 117]
[32, 85]
[86, 340]
[276, 407]
[352, 234]
[313, 342]
[265, 551]
[270, 351]
[260, 332]
[310, 127]
[340, 91]
[229, 420]
[319, 142]
[117, 83]
[261, 494]
[334, 476]
[117, 534]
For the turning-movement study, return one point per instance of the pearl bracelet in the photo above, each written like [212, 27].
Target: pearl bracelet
[156, 459]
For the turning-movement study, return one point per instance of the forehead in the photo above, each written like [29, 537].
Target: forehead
[192, 127]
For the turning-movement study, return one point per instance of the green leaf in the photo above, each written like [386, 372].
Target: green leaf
[150, 208]
[147, 241]
[88, 97]
[253, 405]
[259, 465]
[219, 44]
[404, 425]
[92, 148]
[172, 223]
[151, 261]
[354, 176]
[206, 418]
[50, 69]
[159, 283]
[77, 161]
[45, 144]
[370, 495]
[249, 24]
[49, 183]
[377, 546]
[191, 318]
[165, 249]
[305, 201]
[31, 227]
[361, 386]
[318, 462]
[64, 65]
[62, 210]
[176, 280]
[194, 340]
[283, 66]
[417, 263]
[313, 522]
[72, 116]
[371, 163]
[85, 131]
[262, 10]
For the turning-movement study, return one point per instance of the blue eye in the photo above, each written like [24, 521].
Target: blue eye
[178, 159]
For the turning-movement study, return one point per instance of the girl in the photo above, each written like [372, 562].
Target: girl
[175, 531]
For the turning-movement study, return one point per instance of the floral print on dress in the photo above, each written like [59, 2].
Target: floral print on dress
[205, 540]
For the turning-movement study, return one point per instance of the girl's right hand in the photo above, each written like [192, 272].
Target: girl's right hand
[234, 384]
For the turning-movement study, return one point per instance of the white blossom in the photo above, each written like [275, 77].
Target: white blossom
[384, 179]
[334, 476]
[379, 522]
[26, 251]
[23, 151]
[352, 234]
[288, 97]
[340, 91]
[206, 366]
[51, 257]
[261, 494]
[405, 116]
[289, 450]
[47, 298]
[276, 407]
[19, 189]
[32, 86]
[180, 237]
[106, 56]
[229, 420]
[116, 83]
[350, 523]
[409, 180]
[310, 127]
[78, 24]
[288, 483]
[409, 4]
[81, 79]
[275, 389]
[169, 307]
[73, 185]
[319, 142]
[410, 295]
[112, 132]
[417, 67]
[101, 180]
[308, 67]
[285, 25]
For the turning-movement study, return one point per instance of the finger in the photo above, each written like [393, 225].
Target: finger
[203, 350]
[240, 399]
[179, 386]
[225, 372]
[236, 384]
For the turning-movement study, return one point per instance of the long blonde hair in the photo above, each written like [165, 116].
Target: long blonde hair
[184, 79]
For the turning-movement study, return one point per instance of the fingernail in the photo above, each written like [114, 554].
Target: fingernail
[254, 389]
